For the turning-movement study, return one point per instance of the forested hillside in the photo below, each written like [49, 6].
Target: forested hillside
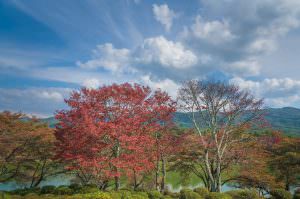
[286, 119]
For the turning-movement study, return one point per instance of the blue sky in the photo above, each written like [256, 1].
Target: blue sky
[49, 48]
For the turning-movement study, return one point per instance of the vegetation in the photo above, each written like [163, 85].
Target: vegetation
[120, 141]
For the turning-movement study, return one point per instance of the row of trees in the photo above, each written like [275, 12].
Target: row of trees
[128, 131]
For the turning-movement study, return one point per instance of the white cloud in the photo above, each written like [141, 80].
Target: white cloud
[51, 95]
[249, 67]
[91, 83]
[164, 15]
[108, 57]
[212, 31]
[34, 101]
[262, 46]
[167, 53]
[167, 85]
[277, 92]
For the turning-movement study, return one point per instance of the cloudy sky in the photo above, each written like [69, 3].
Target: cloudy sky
[49, 48]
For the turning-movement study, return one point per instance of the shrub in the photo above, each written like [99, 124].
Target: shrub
[25, 191]
[88, 189]
[155, 195]
[172, 194]
[216, 195]
[243, 194]
[63, 190]
[75, 187]
[48, 189]
[99, 195]
[189, 194]
[202, 191]
[140, 195]
[280, 194]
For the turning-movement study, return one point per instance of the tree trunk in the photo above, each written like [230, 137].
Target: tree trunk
[117, 183]
[287, 183]
[157, 174]
[164, 173]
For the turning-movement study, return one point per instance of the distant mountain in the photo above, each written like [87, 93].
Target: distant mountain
[286, 119]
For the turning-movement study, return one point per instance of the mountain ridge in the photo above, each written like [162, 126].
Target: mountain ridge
[286, 119]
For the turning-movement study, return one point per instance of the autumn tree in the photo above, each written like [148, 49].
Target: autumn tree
[285, 160]
[254, 172]
[220, 113]
[110, 129]
[27, 149]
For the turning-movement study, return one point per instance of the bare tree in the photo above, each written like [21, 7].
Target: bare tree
[220, 113]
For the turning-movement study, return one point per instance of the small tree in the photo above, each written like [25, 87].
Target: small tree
[26, 149]
[285, 160]
[220, 113]
[111, 129]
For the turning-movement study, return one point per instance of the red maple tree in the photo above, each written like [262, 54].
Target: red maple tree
[111, 128]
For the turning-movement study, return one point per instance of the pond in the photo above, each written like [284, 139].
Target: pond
[174, 183]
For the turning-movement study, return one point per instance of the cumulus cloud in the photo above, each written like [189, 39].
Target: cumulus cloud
[164, 15]
[212, 31]
[35, 101]
[108, 57]
[91, 83]
[167, 85]
[234, 37]
[277, 92]
[167, 53]
[245, 68]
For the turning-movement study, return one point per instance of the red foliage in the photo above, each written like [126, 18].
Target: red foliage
[112, 128]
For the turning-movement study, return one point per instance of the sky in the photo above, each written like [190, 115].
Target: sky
[48, 48]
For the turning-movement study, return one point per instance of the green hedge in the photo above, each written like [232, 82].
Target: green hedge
[280, 194]
[243, 194]
[189, 194]
[215, 195]
[73, 192]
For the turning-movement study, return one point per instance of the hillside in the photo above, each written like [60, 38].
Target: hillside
[286, 119]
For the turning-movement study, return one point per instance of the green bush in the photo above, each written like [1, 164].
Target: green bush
[155, 195]
[75, 187]
[63, 190]
[202, 191]
[216, 195]
[88, 189]
[189, 194]
[25, 191]
[280, 194]
[48, 189]
[243, 194]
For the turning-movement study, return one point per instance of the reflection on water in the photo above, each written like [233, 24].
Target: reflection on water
[65, 180]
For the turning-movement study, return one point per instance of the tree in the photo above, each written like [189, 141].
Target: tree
[111, 128]
[254, 171]
[220, 114]
[27, 149]
[285, 160]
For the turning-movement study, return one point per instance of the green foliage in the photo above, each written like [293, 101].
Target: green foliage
[63, 190]
[48, 189]
[243, 194]
[280, 194]
[75, 187]
[171, 195]
[88, 189]
[155, 195]
[215, 195]
[202, 191]
[26, 191]
[189, 194]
